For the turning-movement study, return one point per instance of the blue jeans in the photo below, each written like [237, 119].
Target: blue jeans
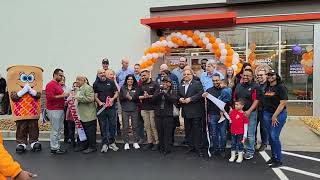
[218, 133]
[236, 142]
[251, 133]
[274, 132]
[263, 129]
[108, 125]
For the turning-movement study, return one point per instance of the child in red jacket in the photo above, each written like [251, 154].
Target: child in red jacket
[239, 128]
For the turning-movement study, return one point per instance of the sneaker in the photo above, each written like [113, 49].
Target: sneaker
[104, 148]
[276, 164]
[148, 146]
[21, 148]
[155, 147]
[248, 156]
[136, 146]
[114, 147]
[79, 148]
[262, 147]
[89, 150]
[270, 161]
[126, 146]
[58, 152]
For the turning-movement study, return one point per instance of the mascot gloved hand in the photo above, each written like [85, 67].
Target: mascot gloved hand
[25, 87]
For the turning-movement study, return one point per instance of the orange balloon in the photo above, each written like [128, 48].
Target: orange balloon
[174, 39]
[208, 35]
[215, 46]
[200, 43]
[153, 60]
[183, 32]
[212, 39]
[238, 70]
[228, 64]
[162, 38]
[162, 49]
[239, 65]
[229, 52]
[229, 59]
[252, 56]
[185, 44]
[180, 42]
[195, 38]
[189, 33]
[217, 53]
[167, 49]
[149, 63]
[228, 46]
[308, 70]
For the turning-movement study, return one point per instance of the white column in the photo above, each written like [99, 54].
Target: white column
[316, 71]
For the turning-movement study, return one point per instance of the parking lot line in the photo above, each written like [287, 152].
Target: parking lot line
[301, 156]
[300, 171]
[277, 171]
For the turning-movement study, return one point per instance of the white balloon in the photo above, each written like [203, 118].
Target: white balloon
[206, 40]
[153, 45]
[178, 34]
[144, 58]
[202, 35]
[164, 43]
[168, 38]
[197, 32]
[223, 58]
[209, 46]
[235, 54]
[309, 48]
[218, 40]
[173, 34]
[149, 56]
[155, 55]
[194, 44]
[140, 61]
[176, 46]
[184, 37]
[235, 60]
[158, 43]
[234, 67]
[308, 63]
[224, 52]
[170, 44]
[189, 40]
[222, 46]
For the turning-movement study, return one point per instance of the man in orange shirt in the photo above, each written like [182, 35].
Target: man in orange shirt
[11, 168]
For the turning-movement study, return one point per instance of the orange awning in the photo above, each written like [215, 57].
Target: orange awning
[200, 21]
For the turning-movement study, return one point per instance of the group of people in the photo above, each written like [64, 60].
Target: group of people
[209, 102]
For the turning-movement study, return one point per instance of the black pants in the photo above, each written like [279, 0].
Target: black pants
[69, 130]
[165, 125]
[194, 126]
[187, 131]
[90, 129]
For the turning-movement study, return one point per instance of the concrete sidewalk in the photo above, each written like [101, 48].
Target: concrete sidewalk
[296, 136]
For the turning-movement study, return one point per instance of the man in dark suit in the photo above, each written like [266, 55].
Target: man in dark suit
[191, 102]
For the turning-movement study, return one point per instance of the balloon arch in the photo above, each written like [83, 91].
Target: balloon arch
[222, 51]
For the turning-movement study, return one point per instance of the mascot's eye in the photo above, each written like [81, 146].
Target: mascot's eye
[30, 78]
[24, 78]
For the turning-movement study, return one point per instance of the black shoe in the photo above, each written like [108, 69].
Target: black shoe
[148, 146]
[276, 164]
[20, 149]
[223, 154]
[166, 153]
[155, 147]
[190, 150]
[200, 154]
[270, 161]
[79, 148]
[262, 147]
[89, 150]
[36, 147]
[58, 152]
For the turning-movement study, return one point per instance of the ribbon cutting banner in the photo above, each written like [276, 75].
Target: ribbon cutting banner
[72, 103]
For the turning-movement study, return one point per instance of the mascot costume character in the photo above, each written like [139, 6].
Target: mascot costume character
[25, 87]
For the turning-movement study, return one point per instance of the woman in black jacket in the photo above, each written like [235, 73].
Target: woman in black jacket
[129, 99]
[165, 113]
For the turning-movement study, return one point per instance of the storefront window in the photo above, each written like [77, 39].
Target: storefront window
[297, 61]
[263, 47]
[237, 39]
